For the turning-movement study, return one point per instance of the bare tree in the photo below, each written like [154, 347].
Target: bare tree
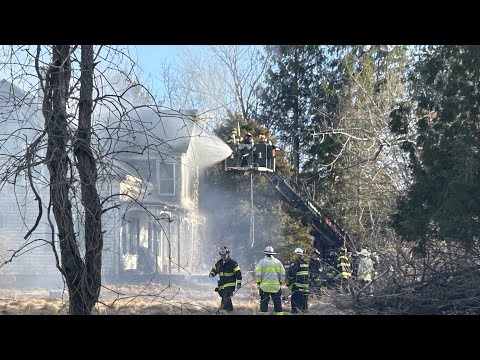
[87, 102]
[368, 168]
[219, 82]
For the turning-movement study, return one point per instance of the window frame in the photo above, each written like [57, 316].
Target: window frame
[160, 179]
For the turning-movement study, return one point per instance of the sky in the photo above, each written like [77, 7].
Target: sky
[150, 57]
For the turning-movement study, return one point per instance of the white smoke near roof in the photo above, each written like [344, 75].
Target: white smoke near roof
[138, 126]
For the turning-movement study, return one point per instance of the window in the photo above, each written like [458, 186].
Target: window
[130, 235]
[166, 178]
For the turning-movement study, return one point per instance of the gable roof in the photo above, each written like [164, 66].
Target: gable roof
[156, 130]
[16, 105]
[161, 134]
[146, 130]
[20, 122]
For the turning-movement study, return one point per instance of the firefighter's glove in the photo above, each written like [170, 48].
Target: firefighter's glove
[239, 286]
[216, 289]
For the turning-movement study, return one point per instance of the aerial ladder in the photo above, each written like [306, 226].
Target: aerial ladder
[261, 157]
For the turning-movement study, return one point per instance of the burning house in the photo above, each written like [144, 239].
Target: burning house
[149, 172]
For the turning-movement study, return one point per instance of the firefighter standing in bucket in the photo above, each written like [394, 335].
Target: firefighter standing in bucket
[247, 150]
[298, 279]
[230, 278]
[233, 140]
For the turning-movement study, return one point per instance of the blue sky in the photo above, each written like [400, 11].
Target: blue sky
[150, 57]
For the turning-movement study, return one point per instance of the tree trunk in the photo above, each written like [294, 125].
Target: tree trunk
[87, 169]
[83, 279]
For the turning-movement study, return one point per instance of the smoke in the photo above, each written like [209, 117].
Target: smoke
[138, 125]
[207, 148]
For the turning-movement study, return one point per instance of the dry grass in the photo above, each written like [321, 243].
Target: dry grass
[154, 299]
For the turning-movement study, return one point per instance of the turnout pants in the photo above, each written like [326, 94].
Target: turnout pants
[226, 295]
[299, 301]
[265, 299]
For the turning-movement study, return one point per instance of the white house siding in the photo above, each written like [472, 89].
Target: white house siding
[34, 264]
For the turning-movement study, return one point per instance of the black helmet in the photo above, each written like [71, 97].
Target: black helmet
[224, 250]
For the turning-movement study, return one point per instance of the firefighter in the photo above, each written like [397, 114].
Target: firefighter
[247, 150]
[315, 268]
[230, 277]
[376, 262]
[330, 268]
[233, 140]
[344, 268]
[298, 278]
[262, 139]
[269, 276]
[365, 268]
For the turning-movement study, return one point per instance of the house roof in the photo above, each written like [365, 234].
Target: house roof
[156, 130]
[16, 104]
[19, 117]
[7, 90]
[147, 130]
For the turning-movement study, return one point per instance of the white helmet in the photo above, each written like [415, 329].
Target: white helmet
[364, 252]
[269, 251]
[298, 251]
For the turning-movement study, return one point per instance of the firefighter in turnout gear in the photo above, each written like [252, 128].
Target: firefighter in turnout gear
[376, 262]
[365, 268]
[330, 268]
[344, 268]
[269, 276]
[314, 269]
[233, 140]
[298, 279]
[230, 277]
[247, 150]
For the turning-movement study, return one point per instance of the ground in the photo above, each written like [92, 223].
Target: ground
[194, 298]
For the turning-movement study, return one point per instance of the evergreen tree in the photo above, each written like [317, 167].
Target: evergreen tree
[443, 201]
[293, 96]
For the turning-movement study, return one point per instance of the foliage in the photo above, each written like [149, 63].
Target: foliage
[336, 99]
[443, 199]
[295, 96]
